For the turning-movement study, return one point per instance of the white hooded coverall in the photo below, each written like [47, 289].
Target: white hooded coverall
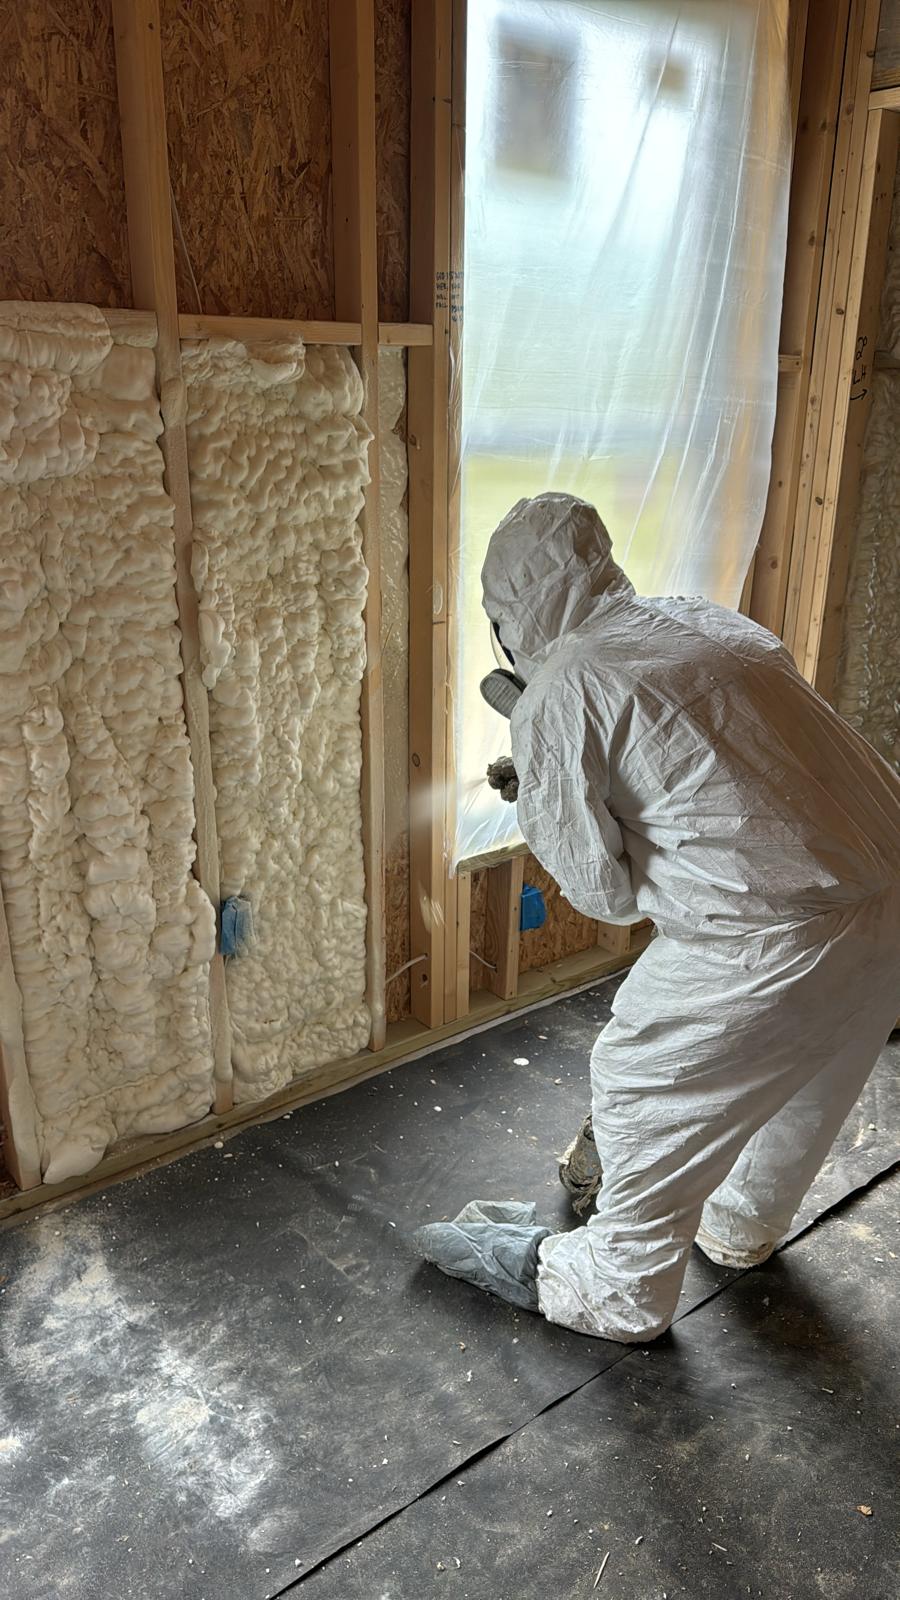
[674, 764]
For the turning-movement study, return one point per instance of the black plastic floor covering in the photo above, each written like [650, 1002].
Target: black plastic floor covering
[752, 1452]
[218, 1375]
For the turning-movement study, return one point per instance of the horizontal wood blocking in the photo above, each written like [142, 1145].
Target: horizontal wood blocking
[493, 858]
[405, 333]
[625, 942]
[885, 99]
[249, 330]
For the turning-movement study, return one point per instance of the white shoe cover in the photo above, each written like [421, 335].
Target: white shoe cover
[726, 1255]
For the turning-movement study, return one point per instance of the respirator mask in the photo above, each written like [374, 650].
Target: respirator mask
[502, 689]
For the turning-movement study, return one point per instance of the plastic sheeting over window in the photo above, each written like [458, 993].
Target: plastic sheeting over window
[627, 172]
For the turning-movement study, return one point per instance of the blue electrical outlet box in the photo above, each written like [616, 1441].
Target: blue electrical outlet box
[534, 912]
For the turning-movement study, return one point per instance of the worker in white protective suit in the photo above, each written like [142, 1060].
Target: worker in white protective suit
[673, 764]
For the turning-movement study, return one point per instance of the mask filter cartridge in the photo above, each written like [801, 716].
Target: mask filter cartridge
[502, 690]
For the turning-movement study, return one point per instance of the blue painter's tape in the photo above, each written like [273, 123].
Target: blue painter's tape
[534, 912]
[237, 925]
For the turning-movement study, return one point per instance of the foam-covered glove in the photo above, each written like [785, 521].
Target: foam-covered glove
[492, 1244]
[580, 1171]
[502, 775]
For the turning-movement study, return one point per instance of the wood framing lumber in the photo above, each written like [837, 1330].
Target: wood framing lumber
[614, 939]
[142, 113]
[798, 16]
[130, 321]
[829, 386]
[251, 330]
[854, 400]
[811, 181]
[501, 930]
[405, 333]
[787, 362]
[493, 858]
[887, 48]
[463, 943]
[457, 896]
[427, 409]
[352, 61]
[452, 962]
[624, 942]
[21, 1151]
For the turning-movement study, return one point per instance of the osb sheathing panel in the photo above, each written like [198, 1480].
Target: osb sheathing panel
[565, 931]
[392, 89]
[478, 972]
[396, 914]
[887, 51]
[62, 192]
[248, 111]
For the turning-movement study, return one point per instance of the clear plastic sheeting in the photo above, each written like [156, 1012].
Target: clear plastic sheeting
[627, 172]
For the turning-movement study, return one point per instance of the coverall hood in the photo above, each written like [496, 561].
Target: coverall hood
[548, 566]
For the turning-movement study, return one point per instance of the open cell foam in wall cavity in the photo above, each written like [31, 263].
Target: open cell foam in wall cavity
[278, 459]
[868, 691]
[111, 935]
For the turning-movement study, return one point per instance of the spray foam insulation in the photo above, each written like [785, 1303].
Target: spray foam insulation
[111, 936]
[278, 456]
[869, 670]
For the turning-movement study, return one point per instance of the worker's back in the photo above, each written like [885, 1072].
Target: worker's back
[742, 797]
[671, 759]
